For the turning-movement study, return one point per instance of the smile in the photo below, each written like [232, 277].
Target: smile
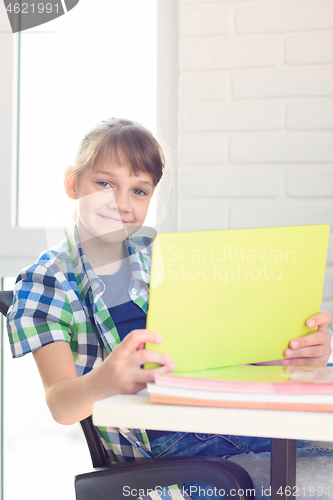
[120, 222]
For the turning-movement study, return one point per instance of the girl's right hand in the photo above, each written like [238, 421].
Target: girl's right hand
[121, 371]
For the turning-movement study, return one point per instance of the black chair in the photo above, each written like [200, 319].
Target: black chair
[109, 482]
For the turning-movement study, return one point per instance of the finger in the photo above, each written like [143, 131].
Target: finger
[319, 337]
[137, 337]
[323, 318]
[140, 346]
[315, 351]
[148, 376]
[146, 356]
[322, 361]
[163, 370]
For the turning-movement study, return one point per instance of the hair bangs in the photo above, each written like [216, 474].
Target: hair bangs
[116, 139]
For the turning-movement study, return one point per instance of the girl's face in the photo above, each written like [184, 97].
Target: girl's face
[112, 201]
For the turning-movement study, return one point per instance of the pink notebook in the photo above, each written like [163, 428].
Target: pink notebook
[255, 379]
[253, 387]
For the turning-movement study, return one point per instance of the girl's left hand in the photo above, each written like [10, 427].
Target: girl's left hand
[313, 349]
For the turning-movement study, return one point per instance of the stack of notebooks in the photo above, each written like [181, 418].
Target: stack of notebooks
[263, 387]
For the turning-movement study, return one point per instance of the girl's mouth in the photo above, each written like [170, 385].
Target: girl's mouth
[113, 220]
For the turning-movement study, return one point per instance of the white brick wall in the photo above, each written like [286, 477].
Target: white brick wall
[310, 182]
[226, 182]
[328, 285]
[213, 116]
[216, 20]
[280, 83]
[309, 115]
[277, 213]
[282, 17]
[316, 49]
[256, 115]
[207, 53]
[203, 214]
[208, 86]
[283, 148]
[203, 148]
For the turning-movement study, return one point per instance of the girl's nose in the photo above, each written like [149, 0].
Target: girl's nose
[121, 200]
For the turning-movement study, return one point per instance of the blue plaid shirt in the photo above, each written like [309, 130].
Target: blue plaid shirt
[59, 299]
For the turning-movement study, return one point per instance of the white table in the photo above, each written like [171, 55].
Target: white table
[136, 411]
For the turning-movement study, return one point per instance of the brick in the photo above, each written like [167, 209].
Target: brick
[328, 285]
[220, 53]
[309, 182]
[273, 213]
[307, 115]
[231, 116]
[305, 149]
[283, 84]
[204, 214]
[198, 21]
[270, 18]
[217, 182]
[203, 149]
[204, 87]
[310, 49]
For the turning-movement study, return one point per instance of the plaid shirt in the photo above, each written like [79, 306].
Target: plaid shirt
[59, 299]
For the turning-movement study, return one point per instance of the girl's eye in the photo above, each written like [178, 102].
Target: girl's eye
[139, 192]
[104, 184]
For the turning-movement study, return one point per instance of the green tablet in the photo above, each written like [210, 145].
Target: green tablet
[227, 297]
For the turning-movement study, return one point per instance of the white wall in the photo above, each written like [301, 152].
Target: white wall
[256, 115]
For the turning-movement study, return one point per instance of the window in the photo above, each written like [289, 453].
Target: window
[82, 67]
[69, 78]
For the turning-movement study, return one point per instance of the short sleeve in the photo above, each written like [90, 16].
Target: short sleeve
[41, 312]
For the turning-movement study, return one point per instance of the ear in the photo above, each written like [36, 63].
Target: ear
[70, 183]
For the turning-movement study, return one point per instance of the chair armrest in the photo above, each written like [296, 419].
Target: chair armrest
[94, 443]
[6, 299]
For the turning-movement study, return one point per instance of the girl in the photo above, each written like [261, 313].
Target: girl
[81, 307]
